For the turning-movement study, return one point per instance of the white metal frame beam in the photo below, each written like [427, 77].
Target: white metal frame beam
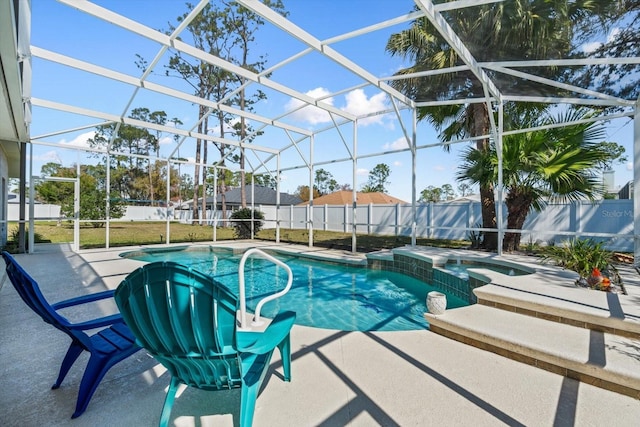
[321, 47]
[139, 123]
[154, 35]
[154, 87]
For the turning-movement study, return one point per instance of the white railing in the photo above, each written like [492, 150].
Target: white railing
[257, 321]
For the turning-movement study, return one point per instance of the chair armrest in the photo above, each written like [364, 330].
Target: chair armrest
[263, 342]
[97, 323]
[83, 299]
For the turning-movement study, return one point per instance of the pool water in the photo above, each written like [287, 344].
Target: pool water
[323, 295]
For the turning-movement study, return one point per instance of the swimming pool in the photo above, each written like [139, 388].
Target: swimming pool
[323, 295]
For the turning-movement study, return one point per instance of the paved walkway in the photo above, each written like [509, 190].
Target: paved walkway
[339, 378]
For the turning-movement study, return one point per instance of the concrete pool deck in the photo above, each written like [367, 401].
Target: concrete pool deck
[339, 378]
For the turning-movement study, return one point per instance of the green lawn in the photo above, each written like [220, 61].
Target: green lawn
[145, 233]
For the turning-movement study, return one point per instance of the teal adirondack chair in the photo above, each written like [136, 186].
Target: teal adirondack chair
[187, 321]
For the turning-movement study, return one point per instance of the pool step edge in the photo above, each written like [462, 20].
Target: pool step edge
[596, 314]
[598, 358]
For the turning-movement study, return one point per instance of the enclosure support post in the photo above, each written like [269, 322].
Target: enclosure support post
[32, 184]
[636, 185]
[311, 138]
[354, 193]
[215, 203]
[253, 206]
[166, 201]
[414, 210]
[499, 221]
[107, 201]
[278, 198]
[23, 198]
[76, 206]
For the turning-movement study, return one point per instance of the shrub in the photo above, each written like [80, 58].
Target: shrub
[241, 222]
[583, 256]
[476, 237]
[13, 241]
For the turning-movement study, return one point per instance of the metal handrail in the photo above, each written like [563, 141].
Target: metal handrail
[257, 321]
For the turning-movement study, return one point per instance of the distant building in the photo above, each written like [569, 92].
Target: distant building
[626, 192]
[14, 199]
[345, 197]
[263, 196]
[608, 180]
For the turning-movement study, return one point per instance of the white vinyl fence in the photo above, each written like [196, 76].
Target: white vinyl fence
[40, 211]
[607, 220]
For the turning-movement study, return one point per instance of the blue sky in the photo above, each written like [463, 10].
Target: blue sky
[63, 30]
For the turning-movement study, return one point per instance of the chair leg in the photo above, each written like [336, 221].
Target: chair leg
[168, 401]
[75, 349]
[93, 374]
[285, 355]
[248, 398]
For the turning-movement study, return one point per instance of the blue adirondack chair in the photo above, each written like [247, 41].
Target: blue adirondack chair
[113, 343]
[187, 321]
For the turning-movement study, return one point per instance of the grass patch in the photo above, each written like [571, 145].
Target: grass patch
[365, 242]
[126, 233]
[148, 233]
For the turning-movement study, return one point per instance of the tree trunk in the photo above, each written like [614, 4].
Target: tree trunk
[480, 116]
[204, 171]
[222, 182]
[518, 206]
[243, 188]
[196, 182]
[196, 173]
[488, 208]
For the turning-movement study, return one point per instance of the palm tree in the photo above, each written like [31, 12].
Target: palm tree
[517, 29]
[551, 164]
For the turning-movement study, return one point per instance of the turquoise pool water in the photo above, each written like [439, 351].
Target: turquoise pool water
[324, 295]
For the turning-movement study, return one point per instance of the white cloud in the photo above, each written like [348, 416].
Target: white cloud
[310, 114]
[359, 105]
[49, 157]
[166, 140]
[362, 171]
[397, 163]
[80, 140]
[398, 144]
[591, 47]
[439, 168]
[613, 35]
[630, 166]
[228, 127]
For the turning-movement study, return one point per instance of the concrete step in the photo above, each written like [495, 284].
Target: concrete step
[602, 359]
[595, 310]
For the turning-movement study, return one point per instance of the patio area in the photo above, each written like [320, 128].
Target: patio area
[339, 378]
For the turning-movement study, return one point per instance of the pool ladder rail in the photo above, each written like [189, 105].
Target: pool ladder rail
[244, 320]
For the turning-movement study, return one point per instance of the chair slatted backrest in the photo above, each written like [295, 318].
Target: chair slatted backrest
[31, 294]
[185, 319]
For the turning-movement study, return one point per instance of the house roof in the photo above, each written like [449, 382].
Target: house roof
[345, 197]
[264, 196]
[14, 199]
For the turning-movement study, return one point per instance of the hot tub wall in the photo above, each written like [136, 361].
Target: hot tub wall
[422, 267]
